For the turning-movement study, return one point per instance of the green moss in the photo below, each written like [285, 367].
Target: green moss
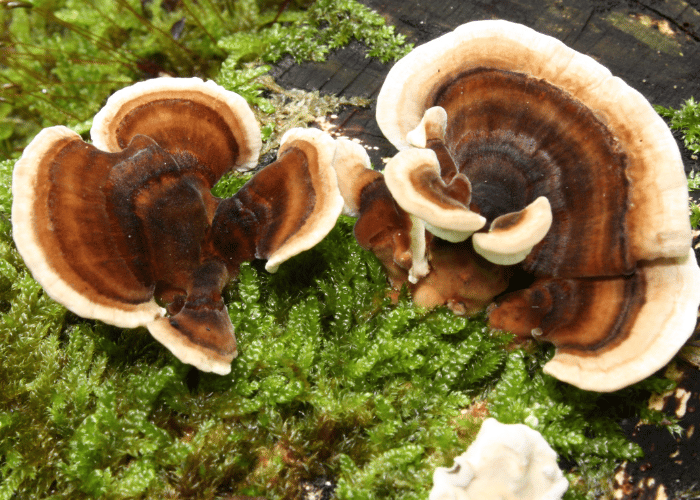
[332, 380]
[694, 215]
[332, 24]
[694, 185]
[687, 120]
[571, 420]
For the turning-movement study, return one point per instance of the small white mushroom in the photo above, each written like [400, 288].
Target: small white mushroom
[505, 462]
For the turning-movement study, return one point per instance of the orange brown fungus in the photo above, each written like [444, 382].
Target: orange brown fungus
[70, 183]
[453, 192]
[113, 234]
[281, 193]
[383, 228]
[560, 310]
[580, 185]
[512, 152]
[167, 121]
[460, 278]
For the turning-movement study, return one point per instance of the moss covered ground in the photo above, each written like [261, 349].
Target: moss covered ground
[333, 379]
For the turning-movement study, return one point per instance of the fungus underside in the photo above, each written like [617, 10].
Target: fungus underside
[332, 379]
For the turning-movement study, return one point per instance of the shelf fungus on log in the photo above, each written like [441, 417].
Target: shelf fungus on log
[518, 151]
[114, 230]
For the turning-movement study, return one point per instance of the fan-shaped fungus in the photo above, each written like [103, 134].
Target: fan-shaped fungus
[382, 226]
[110, 233]
[535, 155]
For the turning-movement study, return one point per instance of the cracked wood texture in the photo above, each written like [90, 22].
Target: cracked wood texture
[654, 45]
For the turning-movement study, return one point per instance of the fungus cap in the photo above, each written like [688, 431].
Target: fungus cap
[512, 236]
[190, 353]
[182, 115]
[354, 171]
[413, 177]
[315, 223]
[106, 233]
[454, 275]
[524, 118]
[433, 125]
[395, 237]
[648, 339]
[656, 219]
[608, 332]
[77, 279]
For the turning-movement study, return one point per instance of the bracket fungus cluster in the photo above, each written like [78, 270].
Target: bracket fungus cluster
[126, 230]
[528, 174]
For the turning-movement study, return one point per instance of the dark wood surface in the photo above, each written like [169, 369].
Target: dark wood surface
[654, 45]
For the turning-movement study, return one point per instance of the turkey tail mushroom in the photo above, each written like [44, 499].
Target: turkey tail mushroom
[286, 208]
[609, 332]
[382, 226]
[579, 179]
[435, 273]
[113, 234]
[226, 136]
[62, 228]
